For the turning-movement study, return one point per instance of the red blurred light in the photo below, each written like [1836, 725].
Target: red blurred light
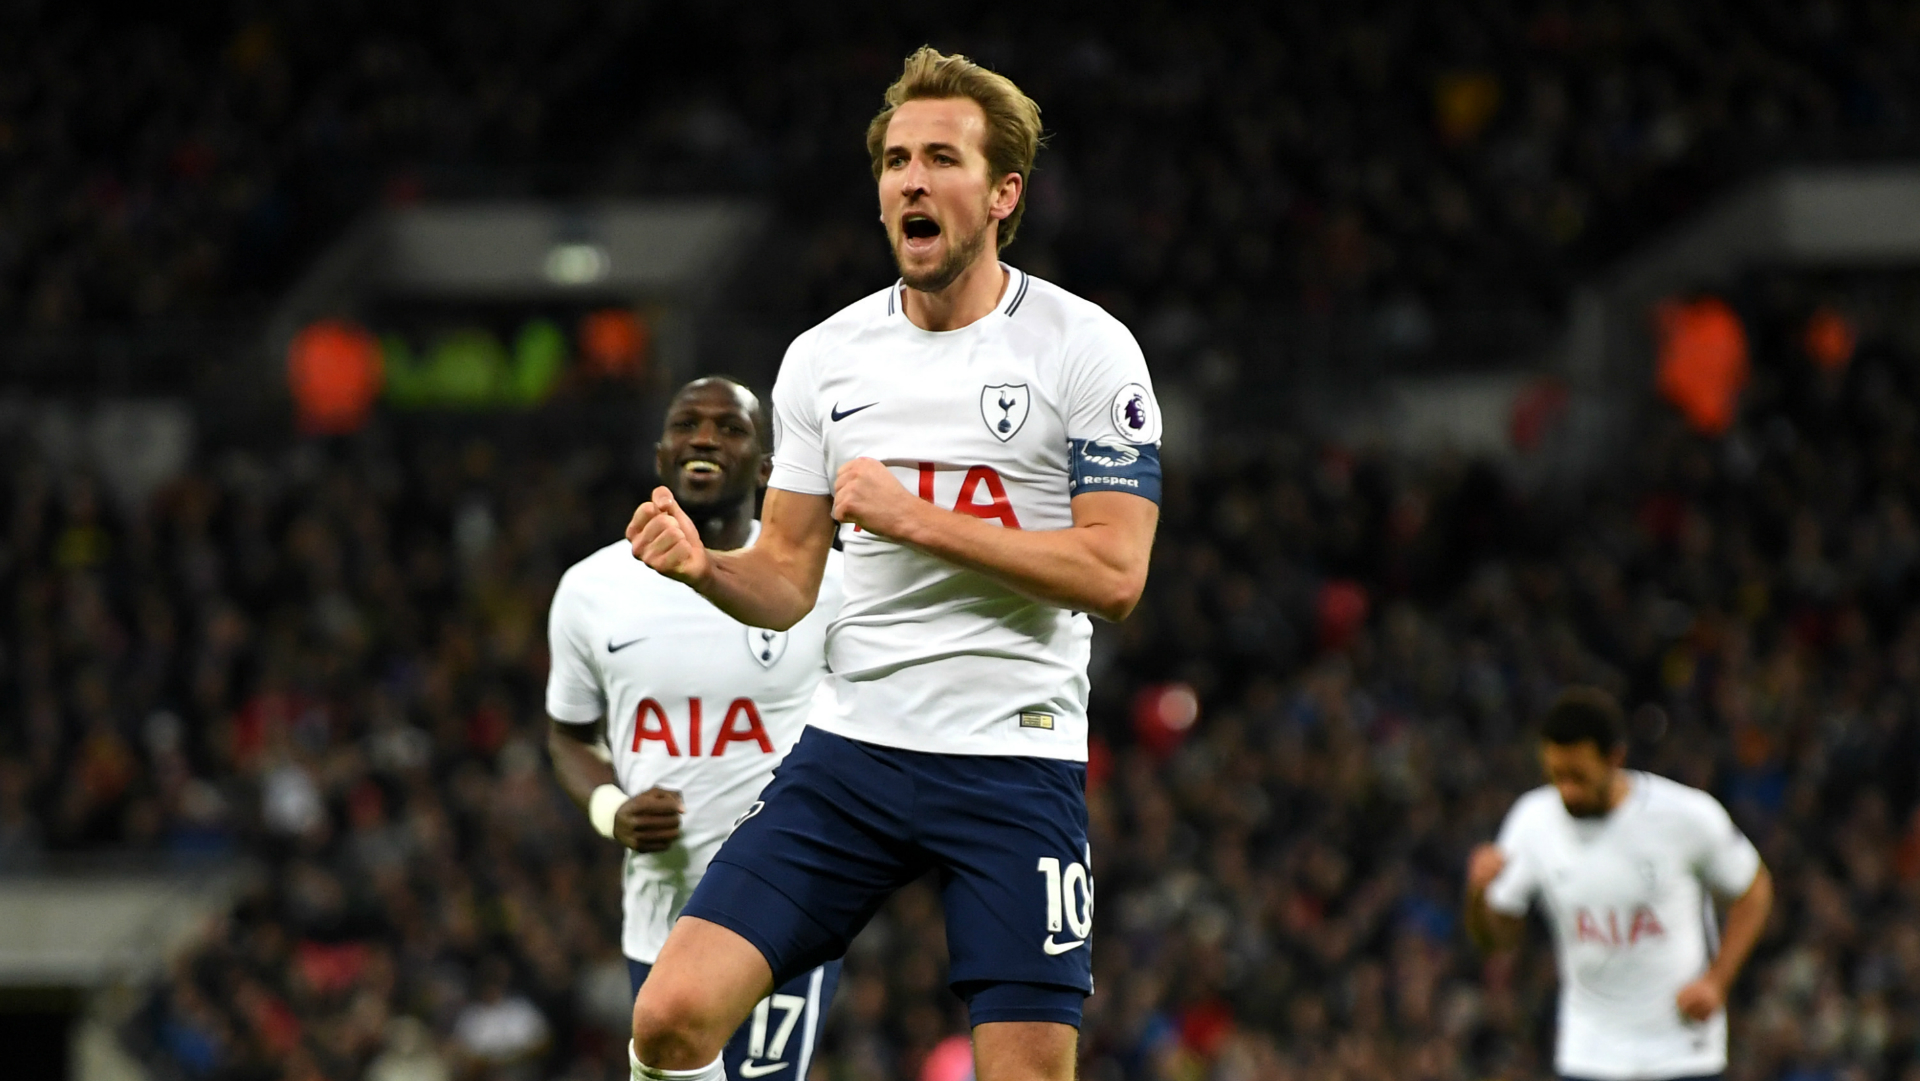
[1163, 715]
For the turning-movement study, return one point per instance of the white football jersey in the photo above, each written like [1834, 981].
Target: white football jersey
[695, 702]
[1006, 419]
[1627, 898]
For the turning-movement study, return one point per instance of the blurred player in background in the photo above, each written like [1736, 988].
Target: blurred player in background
[988, 444]
[698, 708]
[1627, 865]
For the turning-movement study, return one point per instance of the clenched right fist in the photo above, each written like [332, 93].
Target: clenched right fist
[664, 538]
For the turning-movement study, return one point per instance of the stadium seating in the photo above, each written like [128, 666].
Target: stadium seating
[325, 654]
[351, 634]
[1404, 178]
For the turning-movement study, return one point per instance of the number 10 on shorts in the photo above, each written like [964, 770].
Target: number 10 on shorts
[1069, 903]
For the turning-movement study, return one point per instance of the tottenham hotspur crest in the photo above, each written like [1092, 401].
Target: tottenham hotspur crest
[1004, 408]
[766, 646]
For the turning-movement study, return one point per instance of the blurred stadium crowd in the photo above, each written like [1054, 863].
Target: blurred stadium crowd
[1439, 174]
[329, 656]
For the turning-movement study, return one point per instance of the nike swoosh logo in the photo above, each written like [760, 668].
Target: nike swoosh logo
[1055, 949]
[839, 416]
[612, 648]
[748, 1069]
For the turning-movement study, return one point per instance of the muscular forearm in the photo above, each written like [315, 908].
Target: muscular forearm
[758, 589]
[1097, 567]
[1746, 918]
[576, 765]
[772, 584]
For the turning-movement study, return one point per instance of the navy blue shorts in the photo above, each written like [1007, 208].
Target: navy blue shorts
[843, 824]
[783, 1030]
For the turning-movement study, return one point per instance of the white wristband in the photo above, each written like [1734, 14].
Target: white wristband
[602, 806]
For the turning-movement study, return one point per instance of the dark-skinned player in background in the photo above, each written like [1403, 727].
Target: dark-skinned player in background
[669, 716]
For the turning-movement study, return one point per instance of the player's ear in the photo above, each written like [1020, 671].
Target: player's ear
[662, 468]
[766, 469]
[1006, 196]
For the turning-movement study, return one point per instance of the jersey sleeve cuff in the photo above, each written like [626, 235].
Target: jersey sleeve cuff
[798, 481]
[1507, 906]
[1507, 896]
[1744, 875]
[574, 712]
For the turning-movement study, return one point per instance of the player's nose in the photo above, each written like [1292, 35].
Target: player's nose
[913, 178]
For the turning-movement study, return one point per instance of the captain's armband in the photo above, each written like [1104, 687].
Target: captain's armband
[1110, 465]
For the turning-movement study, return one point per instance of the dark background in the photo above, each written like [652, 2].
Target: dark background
[326, 654]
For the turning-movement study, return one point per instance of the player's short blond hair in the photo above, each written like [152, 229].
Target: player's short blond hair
[1013, 120]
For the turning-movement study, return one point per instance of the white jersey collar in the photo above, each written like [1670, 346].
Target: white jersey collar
[1010, 299]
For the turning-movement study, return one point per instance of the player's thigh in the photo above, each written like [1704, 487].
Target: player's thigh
[704, 982]
[1009, 836]
[813, 860]
[780, 1036]
[1024, 1051]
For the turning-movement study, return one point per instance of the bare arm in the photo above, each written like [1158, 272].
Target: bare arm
[579, 759]
[1746, 918]
[1098, 565]
[772, 584]
[648, 822]
[1490, 931]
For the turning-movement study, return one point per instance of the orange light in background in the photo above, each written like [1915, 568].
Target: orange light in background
[613, 342]
[1829, 339]
[334, 372]
[1702, 361]
[1464, 102]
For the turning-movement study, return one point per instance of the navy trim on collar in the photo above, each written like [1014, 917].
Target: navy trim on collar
[1019, 294]
[1026, 279]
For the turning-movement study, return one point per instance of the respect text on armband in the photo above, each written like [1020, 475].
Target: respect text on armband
[1112, 465]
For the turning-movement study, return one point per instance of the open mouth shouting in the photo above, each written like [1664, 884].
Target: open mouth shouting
[919, 234]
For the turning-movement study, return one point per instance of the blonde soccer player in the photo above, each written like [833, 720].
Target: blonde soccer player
[986, 446]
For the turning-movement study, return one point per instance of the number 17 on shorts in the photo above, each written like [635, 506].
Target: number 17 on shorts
[1069, 891]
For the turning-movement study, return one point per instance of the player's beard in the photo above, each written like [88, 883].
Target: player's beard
[1593, 807]
[960, 256]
